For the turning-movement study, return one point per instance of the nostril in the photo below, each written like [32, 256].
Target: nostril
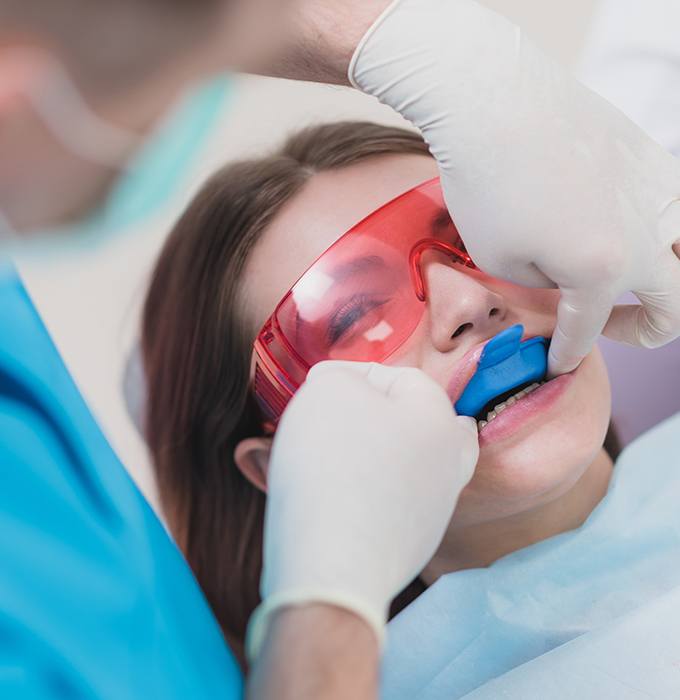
[494, 311]
[461, 329]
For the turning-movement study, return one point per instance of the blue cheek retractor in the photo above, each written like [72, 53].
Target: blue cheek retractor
[505, 363]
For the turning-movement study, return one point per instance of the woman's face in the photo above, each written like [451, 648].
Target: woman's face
[527, 459]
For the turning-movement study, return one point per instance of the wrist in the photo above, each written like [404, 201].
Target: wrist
[321, 38]
[315, 651]
[310, 624]
[339, 27]
[373, 615]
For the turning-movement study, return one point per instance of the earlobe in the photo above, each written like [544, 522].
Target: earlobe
[252, 459]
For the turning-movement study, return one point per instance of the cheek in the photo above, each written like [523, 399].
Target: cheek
[518, 476]
[533, 305]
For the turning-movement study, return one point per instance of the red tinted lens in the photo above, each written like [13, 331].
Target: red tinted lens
[359, 300]
[358, 307]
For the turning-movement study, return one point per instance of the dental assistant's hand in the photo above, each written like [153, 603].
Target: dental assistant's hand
[366, 468]
[548, 183]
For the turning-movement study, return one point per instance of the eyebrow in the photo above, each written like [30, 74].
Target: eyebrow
[356, 266]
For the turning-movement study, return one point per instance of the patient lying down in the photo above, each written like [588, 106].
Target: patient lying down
[241, 244]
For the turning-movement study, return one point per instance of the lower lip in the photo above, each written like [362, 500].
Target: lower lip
[532, 408]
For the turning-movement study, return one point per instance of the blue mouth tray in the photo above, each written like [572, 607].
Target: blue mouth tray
[505, 363]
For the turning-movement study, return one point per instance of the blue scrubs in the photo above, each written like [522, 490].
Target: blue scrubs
[95, 599]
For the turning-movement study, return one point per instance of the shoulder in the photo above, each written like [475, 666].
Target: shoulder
[646, 481]
[659, 444]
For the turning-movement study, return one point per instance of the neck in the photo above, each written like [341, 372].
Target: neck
[481, 544]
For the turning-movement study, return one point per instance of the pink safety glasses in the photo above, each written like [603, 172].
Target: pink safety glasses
[360, 300]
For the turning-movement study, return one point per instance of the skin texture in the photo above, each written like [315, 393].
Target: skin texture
[316, 40]
[543, 479]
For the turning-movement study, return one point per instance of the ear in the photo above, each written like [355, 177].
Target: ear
[252, 458]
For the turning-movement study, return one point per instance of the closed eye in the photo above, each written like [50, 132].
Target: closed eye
[350, 313]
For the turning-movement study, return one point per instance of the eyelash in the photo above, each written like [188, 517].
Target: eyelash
[350, 312]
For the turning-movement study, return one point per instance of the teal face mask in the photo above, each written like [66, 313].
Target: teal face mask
[150, 178]
[162, 163]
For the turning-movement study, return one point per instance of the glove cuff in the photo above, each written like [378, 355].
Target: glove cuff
[371, 30]
[261, 618]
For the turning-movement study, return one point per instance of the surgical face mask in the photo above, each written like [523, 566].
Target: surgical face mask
[361, 300]
[76, 126]
[71, 121]
[150, 170]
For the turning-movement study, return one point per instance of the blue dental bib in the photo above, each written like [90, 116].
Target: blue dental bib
[505, 363]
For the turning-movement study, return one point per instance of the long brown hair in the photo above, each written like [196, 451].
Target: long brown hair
[196, 350]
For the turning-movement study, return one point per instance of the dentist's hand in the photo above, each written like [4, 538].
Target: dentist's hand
[548, 183]
[365, 472]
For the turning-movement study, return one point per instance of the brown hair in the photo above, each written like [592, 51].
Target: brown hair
[196, 350]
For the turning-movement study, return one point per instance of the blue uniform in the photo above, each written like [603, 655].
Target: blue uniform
[95, 599]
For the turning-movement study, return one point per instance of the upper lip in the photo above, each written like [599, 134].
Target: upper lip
[466, 367]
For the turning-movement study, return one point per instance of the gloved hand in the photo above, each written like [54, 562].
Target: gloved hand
[365, 472]
[548, 183]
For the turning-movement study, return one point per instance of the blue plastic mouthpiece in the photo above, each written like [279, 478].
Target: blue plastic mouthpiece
[506, 363]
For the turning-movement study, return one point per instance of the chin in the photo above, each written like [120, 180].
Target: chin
[546, 454]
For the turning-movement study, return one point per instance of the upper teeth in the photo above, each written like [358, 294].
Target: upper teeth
[499, 408]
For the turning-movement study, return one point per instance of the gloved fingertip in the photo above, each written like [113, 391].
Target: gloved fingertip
[557, 367]
[469, 423]
[559, 362]
[320, 368]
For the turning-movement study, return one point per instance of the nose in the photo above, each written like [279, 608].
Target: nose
[459, 304]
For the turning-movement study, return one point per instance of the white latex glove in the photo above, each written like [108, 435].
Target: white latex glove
[548, 183]
[365, 472]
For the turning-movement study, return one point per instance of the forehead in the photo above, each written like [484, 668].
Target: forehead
[327, 207]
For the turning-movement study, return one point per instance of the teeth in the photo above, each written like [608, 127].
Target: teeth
[508, 402]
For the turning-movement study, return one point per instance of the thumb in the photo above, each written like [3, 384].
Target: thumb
[333, 366]
[414, 386]
[581, 316]
[382, 378]
[398, 382]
